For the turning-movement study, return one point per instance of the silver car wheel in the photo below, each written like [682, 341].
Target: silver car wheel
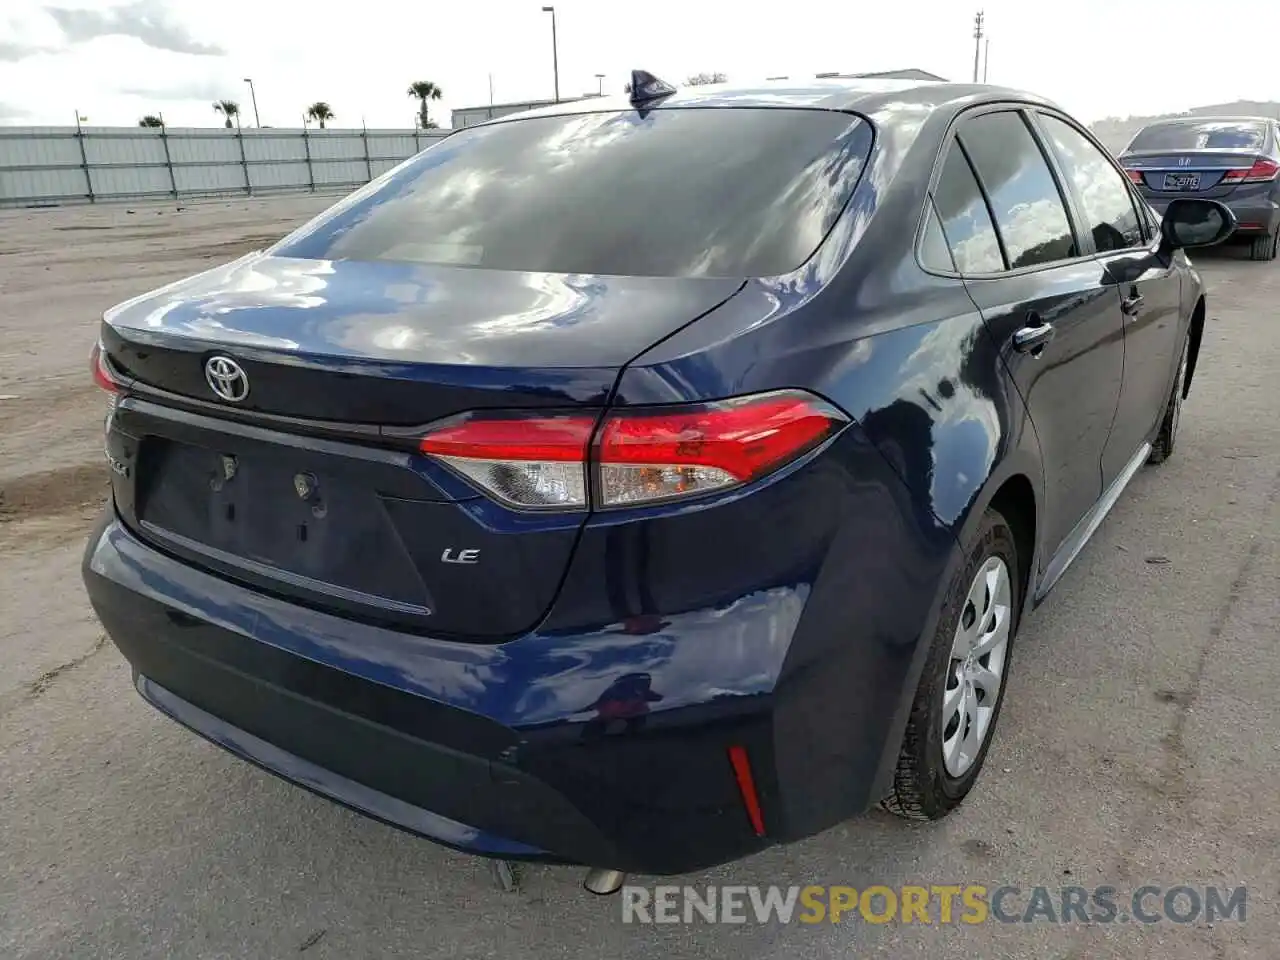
[976, 670]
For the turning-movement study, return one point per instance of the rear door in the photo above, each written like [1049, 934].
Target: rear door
[1049, 305]
[1149, 288]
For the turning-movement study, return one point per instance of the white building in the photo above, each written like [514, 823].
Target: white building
[470, 116]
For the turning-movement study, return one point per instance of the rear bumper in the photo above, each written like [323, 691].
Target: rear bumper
[512, 750]
[1258, 214]
[207, 653]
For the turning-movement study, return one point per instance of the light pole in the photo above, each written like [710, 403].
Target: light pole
[977, 42]
[555, 49]
[599, 84]
[254, 97]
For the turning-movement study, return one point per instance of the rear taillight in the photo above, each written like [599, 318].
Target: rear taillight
[1135, 176]
[102, 375]
[1261, 171]
[526, 461]
[638, 456]
[646, 456]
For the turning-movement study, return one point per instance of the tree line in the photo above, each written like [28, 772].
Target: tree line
[320, 112]
[424, 91]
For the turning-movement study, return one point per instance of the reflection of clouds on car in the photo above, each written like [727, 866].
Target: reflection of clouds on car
[740, 644]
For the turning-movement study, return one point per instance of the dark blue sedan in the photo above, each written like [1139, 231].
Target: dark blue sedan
[638, 484]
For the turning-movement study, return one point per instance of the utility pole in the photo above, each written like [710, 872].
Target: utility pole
[977, 43]
[986, 57]
[254, 97]
[555, 49]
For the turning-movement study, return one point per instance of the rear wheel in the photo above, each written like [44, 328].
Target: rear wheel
[1265, 247]
[963, 682]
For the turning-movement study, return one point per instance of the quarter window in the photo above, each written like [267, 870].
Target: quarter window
[966, 222]
[1028, 207]
[933, 249]
[1108, 205]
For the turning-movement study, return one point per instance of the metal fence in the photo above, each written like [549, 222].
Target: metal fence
[42, 166]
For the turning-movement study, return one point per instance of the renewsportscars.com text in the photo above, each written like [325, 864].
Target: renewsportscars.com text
[932, 904]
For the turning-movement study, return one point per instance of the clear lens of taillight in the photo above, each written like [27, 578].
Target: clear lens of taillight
[644, 457]
[526, 461]
[640, 456]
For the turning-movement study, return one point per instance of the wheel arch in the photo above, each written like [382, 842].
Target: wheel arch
[1015, 489]
[1196, 334]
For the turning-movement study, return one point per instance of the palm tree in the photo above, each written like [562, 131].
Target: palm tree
[229, 109]
[320, 112]
[151, 120]
[422, 91]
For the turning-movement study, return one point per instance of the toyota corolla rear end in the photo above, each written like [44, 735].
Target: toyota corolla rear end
[383, 524]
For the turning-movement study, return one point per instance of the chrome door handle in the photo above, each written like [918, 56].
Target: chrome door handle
[1032, 339]
[1132, 306]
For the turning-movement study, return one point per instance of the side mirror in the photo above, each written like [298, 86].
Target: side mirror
[1190, 222]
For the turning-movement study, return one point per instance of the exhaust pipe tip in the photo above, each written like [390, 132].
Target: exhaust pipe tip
[604, 882]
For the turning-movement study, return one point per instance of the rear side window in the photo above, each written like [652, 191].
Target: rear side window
[1025, 200]
[966, 222]
[722, 192]
[1108, 205]
[1201, 135]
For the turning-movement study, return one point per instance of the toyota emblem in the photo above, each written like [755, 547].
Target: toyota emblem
[226, 379]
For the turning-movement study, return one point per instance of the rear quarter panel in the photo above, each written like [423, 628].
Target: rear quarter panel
[907, 355]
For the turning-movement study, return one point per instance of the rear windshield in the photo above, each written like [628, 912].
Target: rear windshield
[721, 192]
[1201, 135]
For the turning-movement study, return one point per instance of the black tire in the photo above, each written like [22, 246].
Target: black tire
[1265, 247]
[923, 789]
[1167, 435]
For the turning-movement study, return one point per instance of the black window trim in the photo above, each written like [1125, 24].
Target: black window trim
[951, 138]
[931, 213]
[1134, 200]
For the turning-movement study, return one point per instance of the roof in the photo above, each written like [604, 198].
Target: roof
[860, 94]
[529, 104]
[1209, 118]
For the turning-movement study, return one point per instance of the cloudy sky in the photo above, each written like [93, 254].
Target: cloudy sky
[115, 61]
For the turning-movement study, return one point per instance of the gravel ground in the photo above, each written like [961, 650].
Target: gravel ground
[1138, 744]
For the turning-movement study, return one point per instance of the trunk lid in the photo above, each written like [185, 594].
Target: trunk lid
[310, 486]
[392, 343]
[1193, 173]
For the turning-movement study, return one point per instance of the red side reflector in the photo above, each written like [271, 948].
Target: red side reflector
[747, 787]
